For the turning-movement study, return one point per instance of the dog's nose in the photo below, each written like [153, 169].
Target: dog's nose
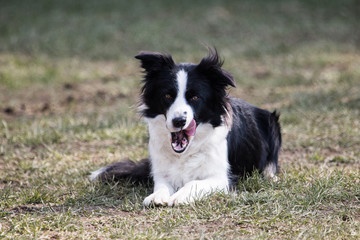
[179, 122]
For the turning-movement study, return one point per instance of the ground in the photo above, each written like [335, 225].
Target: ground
[69, 87]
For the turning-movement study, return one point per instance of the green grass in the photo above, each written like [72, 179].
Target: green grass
[68, 94]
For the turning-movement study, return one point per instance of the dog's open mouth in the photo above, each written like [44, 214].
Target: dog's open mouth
[180, 140]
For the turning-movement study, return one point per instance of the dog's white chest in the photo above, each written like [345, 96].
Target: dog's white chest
[206, 156]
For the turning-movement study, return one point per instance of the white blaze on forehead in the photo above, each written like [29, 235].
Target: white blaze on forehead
[181, 78]
[180, 108]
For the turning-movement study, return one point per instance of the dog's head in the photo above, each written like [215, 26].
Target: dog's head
[186, 94]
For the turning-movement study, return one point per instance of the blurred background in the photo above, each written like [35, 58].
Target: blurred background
[116, 30]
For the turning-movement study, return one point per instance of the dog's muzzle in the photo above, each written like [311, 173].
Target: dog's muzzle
[180, 140]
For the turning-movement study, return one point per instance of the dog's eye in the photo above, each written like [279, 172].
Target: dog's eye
[195, 98]
[167, 96]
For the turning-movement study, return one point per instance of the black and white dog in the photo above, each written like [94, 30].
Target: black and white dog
[201, 140]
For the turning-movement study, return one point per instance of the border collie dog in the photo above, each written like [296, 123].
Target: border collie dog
[200, 139]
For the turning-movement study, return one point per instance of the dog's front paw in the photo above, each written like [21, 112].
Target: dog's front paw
[181, 197]
[158, 198]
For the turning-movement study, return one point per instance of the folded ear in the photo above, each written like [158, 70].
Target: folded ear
[211, 66]
[153, 61]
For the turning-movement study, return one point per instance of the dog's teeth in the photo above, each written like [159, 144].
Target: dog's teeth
[179, 141]
[183, 141]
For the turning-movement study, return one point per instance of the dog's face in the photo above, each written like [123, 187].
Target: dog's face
[186, 94]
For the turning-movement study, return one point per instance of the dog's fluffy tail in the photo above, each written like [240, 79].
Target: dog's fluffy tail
[124, 170]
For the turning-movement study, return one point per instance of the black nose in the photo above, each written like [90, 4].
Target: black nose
[179, 122]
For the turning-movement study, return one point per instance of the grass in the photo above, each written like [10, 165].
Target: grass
[68, 95]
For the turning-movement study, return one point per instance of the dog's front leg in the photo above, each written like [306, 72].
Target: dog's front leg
[198, 189]
[161, 194]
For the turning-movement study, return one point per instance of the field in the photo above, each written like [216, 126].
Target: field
[69, 86]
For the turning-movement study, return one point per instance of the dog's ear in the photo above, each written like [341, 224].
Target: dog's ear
[211, 66]
[153, 61]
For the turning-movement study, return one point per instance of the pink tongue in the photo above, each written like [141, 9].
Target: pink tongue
[191, 129]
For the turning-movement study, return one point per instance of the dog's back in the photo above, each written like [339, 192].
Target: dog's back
[254, 140]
